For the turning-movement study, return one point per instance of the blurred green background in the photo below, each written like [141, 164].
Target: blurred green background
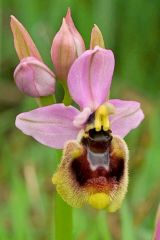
[132, 30]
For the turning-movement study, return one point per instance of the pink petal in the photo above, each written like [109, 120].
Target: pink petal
[128, 116]
[157, 233]
[51, 125]
[90, 77]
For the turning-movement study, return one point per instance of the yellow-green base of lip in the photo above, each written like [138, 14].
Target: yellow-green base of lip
[99, 200]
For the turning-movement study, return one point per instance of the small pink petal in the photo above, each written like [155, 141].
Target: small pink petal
[34, 78]
[51, 125]
[90, 77]
[82, 117]
[128, 115]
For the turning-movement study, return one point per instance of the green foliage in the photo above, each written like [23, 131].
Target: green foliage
[131, 29]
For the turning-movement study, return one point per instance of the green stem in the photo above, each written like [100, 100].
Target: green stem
[63, 219]
[67, 98]
[63, 215]
[45, 101]
[63, 212]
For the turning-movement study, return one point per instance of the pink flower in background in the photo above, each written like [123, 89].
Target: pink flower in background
[94, 167]
[157, 226]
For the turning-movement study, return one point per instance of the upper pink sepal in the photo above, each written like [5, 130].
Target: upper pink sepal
[66, 47]
[51, 125]
[90, 77]
[34, 78]
[128, 115]
[23, 43]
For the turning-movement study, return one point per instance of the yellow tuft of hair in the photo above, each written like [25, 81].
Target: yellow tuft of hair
[99, 200]
[76, 153]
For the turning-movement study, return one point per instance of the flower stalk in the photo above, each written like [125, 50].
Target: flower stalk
[46, 100]
[67, 98]
[63, 212]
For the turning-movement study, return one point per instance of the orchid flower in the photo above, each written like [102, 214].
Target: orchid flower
[94, 165]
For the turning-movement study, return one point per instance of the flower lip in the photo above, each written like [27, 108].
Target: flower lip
[97, 165]
[78, 183]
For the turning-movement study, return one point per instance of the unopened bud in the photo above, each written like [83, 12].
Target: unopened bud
[96, 38]
[34, 78]
[23, 43]
[66, 47]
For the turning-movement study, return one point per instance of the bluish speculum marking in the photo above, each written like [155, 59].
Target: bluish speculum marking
[97, 149]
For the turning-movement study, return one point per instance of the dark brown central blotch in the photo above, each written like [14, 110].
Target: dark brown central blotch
[97, 165]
